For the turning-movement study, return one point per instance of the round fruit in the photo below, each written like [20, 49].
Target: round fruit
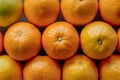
[42, 68]
[79, 67]
[22, 41]
[98, 40]
[1, 41]
[118, 35]
[41, 12]
[110, 11]
[110, 68]
[79, 12]
[10, 12]
[10, 69]
[60, 40]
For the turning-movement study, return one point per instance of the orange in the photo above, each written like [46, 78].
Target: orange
[10, 69]
[10, 12]
[110, 68]
[41, 12]
[79, 12]
[110, 11]
[42, 68]
[98, 40]
[22, 41]
[79, 67]
[118, 36]
[1, 41]
[60, 40]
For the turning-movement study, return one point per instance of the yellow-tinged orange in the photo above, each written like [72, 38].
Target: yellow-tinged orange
[10, 12]
[98, 40]
[42, 68]
[41, 12]
[110, 11]
[79, 67]
[110, 68]
[60, 40]
[10, 69]
[79, 12]
[22, 41]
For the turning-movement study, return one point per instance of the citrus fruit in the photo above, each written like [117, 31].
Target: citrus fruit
[41, 12]
[60, 40]
[10, 69]
[22, 41]
[10, 12]
[118, 36]
[79, 12]
[110, 11]
[1, 41]
[42, 68]
[109, 68]
[79, 67]
[98, 40]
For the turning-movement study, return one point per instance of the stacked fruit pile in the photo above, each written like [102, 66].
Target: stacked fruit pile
[76, 47]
